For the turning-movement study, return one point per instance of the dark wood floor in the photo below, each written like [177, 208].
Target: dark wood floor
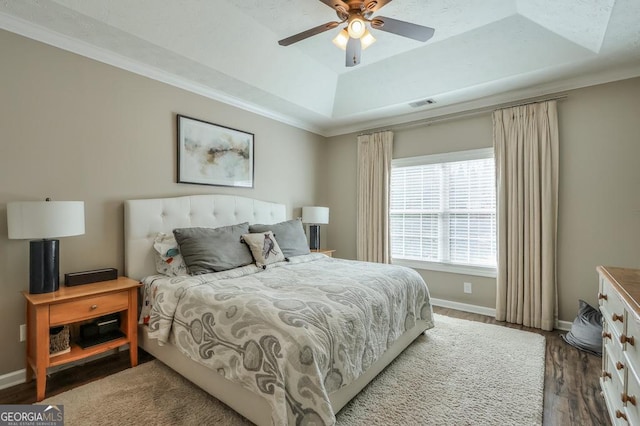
[571, 388]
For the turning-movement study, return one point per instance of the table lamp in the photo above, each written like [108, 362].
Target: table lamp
[315, 216]
[44, 221]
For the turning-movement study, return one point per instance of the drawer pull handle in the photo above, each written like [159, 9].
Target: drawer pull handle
[629, 398]
[94, 307]
[617, 317]
[630, 340]
[619, 365]
[602, 296]
[620, 415]
[606, 335]
[606, 374]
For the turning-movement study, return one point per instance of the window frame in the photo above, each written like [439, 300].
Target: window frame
[474, 154]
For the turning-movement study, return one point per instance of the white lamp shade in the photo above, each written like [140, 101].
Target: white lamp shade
[45, 219]
[367, 39]
[356, 28]
[341, 39]
[316, 215]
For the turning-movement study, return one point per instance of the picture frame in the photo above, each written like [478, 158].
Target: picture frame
[211, 154]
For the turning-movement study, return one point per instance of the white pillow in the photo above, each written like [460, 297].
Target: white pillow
[169, 261]
[264, 248]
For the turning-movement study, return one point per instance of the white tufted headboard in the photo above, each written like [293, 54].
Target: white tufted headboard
[143, 219]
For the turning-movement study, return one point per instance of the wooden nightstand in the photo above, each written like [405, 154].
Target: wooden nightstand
[71, 305]
[328, 252]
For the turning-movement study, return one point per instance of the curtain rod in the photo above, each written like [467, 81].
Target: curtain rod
[468, 113]
[533, 101]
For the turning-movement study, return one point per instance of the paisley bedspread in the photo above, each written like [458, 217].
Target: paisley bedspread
[293, 332]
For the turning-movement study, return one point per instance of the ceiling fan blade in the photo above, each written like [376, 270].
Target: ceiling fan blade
[354, 50]
[337, 5]
[402, 28]
[375, 5]
[309, 33]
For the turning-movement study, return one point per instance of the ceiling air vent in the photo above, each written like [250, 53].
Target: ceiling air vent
[418, 104]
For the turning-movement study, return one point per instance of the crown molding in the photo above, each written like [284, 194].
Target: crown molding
[483, 97]
[486, 102]
[36, 32]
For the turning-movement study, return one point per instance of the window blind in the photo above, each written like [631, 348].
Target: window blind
[444, 211]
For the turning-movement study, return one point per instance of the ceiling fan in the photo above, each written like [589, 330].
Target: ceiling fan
[355, 36]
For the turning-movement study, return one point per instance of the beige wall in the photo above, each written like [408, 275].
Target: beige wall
[599, 206]
[75, 129]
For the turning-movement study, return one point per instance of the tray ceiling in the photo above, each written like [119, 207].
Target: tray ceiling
[482, 52]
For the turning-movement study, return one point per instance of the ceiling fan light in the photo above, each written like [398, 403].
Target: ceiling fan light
[367, 39]
[341, 39]
[356, 28]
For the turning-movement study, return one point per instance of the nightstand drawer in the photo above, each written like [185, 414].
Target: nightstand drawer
[90, 307]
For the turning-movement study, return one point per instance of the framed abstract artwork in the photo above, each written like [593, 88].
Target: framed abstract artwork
[210, 154]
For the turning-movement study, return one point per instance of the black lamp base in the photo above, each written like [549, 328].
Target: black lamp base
[314, 237]
[44, 271]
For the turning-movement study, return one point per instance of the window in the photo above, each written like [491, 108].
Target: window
[443, 212]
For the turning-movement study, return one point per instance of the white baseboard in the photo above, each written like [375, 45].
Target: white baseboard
[483, 310]
[464, 307]
[13, 378]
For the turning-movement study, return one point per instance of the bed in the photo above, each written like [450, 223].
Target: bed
[283, 367]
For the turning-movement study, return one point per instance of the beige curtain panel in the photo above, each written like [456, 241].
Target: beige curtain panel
[526, 154]
[374, 172]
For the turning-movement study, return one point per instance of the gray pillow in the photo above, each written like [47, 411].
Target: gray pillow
[290, 236]
[586, 330]
[207, 250]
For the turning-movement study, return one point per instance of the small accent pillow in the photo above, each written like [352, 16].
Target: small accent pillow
[208, 250]
[169, 261]
[586, 330]
[264, 248]
[290, 234]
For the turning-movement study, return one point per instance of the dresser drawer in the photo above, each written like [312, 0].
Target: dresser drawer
[631, 337]
[611, 306]
[632, 399]
[612, 389]
[617, 298]
[618, 362]
[89, 307]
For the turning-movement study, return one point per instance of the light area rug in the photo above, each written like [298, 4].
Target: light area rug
[458, 373]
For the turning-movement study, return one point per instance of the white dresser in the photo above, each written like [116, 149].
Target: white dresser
[619, 293]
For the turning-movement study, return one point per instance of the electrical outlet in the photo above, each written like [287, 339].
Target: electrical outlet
[23, 332]
[467, 287]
